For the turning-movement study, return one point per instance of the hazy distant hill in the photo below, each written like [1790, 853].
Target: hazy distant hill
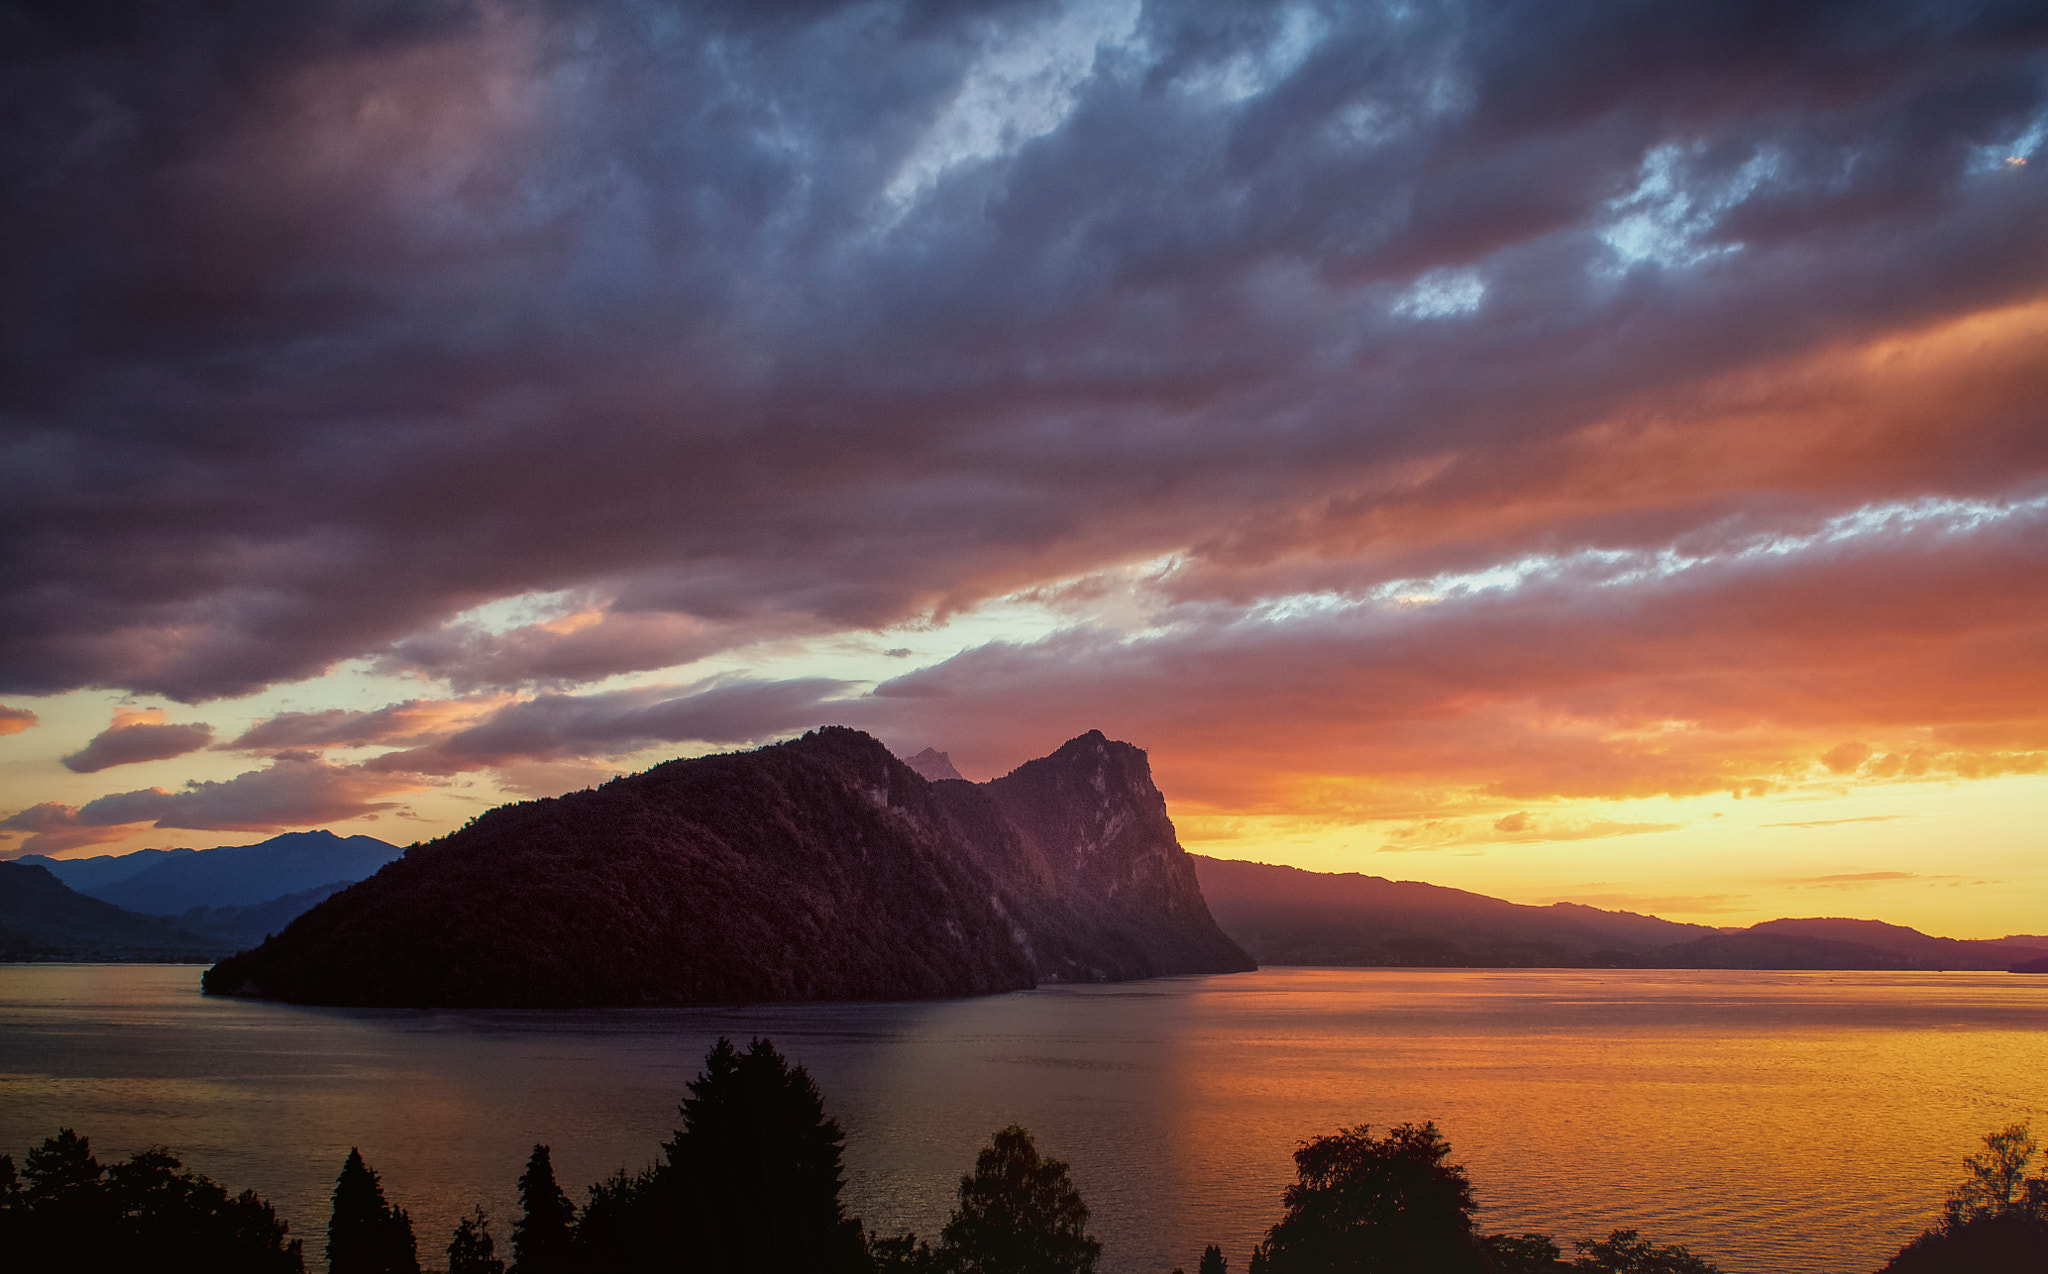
[821, 868]
[42, 919]
[239, 928]
[170, 882]
[1284, 915]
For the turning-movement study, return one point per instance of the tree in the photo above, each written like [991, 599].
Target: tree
[1627, 1252]
[1213, 1261]
[472, 1250]
[1018, 1214]
[752, 1179]
[1995, 1221]
[1375, 1205]
[1524, 1253]
[543, 1237]
[1997, 1182]
[147, 1213]
[365, 1233]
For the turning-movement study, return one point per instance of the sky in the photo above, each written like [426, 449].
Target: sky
[1588, 451]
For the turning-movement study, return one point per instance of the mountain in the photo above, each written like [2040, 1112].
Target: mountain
[42, 919]
[1284, 915]
[1920, 950]
[172, 882]
[88, 874]
[819, 868]
[933, 765]
[239, 928]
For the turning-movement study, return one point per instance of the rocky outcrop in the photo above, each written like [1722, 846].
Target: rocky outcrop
[933, 765]
[821, 868]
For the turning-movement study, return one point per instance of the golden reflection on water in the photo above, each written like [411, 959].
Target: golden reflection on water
[1775, 1122]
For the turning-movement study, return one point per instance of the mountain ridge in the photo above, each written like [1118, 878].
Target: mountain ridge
[817, 868]
[1288, 915]
[171, 882]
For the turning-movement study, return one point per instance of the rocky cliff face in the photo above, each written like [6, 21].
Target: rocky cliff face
[821, 868]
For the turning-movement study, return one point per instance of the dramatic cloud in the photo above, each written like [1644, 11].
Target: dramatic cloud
[15, 720]
[325, 328]
[554, 727]
[138, 736]
[1458, 416]
[53, 826]
[413, 721]
[293, 791]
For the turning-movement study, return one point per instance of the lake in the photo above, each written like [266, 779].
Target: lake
[1773, 1122]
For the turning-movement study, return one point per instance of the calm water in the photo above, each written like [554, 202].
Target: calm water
[1771, 1121]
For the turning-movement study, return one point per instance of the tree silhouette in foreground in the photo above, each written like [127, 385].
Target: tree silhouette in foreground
[1627, 1252]
[750, 1183]
[67, 1212]
[366, 1234]
[1018, 1214]
[472, 1250]
[1374, 1205]
[1994, 1222]
[542, 1239]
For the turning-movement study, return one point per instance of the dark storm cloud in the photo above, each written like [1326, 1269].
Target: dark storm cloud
[329, 322]
[134, 738]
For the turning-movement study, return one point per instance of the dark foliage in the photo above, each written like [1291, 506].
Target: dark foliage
[616, 1230]
[1018, 1214]
[822, 868]
[1995, 1220]
[1524, 1254]
[1627, 1252]
[67, 1212]
[365, 1233]
[472, 1250]
[542, 1239]
[2007, 1244]
[750, 1183]
[1375, 1204]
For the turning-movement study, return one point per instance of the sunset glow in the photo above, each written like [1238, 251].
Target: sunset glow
[1602, 470]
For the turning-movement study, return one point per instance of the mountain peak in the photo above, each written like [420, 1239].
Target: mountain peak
[933, 765]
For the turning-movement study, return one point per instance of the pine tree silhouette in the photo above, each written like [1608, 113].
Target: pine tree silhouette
[541, 1241]
[365, 1233]
[752, 1178]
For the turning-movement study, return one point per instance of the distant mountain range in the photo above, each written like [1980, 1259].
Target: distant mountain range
[170, 882]
[819, 868]
[42, 919]
[185, 904]
[1284, 915]
[1081, 882]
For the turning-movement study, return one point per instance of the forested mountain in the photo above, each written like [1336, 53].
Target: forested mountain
[1285, 915]
[820, 868]
[42, 919]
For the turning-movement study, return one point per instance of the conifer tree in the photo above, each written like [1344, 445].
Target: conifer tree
[541, 1241]
[365, 1233]
[752, 1178]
